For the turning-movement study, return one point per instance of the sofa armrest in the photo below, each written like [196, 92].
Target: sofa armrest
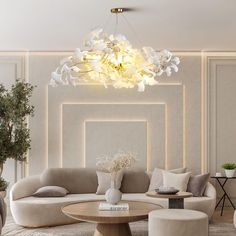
[210, 191]
[25, 187]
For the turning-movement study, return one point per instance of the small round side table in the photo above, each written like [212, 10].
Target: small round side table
[176, 201]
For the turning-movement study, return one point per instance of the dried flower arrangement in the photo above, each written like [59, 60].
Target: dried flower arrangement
[117, 162]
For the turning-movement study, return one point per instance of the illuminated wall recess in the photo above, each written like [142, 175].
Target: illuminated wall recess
[82, 114]
[57, 119]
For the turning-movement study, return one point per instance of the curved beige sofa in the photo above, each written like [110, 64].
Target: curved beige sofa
[82, 184]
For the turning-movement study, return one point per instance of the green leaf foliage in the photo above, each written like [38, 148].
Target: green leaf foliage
[3, 184]
[14, 109]
[229, 166]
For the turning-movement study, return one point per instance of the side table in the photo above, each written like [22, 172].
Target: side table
[225, 195]
[176, 201]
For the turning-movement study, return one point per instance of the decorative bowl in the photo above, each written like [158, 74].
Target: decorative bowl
[167, 190]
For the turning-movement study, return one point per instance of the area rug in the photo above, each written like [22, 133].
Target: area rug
[87, 229]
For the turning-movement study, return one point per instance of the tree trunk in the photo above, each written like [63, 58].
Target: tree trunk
[1, 168]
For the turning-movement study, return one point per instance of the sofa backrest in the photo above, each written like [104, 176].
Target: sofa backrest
[75, 180]
[135, 181]
[84, 180]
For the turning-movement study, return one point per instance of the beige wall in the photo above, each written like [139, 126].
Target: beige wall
[187, 120]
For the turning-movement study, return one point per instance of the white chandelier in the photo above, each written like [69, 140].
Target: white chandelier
[111, 59]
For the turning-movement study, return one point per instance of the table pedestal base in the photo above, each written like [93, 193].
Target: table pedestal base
[176, 203]
[112, 230]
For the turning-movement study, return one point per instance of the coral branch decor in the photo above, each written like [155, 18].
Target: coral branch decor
[110, 59]
[120, 161]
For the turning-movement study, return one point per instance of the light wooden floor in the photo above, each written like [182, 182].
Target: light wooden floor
[226, 218]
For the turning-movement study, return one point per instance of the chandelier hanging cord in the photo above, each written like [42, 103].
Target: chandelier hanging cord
[116, 24]
[106, 23]
[118, 11]
[132, 30]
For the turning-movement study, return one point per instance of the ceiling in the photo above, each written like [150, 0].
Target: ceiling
[181, 25]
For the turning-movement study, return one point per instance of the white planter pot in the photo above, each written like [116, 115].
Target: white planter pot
[113, 196]
[229, 173]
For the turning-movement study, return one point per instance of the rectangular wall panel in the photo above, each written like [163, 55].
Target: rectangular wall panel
[222, 115]
[76, 116]
[105, 138]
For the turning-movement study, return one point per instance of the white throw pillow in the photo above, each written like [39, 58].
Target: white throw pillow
[178, 181]
[157, 178]
[104, 181]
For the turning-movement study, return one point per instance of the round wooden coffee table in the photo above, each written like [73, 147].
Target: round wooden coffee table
[110, 223]
[176, 201]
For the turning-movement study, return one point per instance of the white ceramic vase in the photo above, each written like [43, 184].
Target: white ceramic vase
[229, 173]
[113, 195]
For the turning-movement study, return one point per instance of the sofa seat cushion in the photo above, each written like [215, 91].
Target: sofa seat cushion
[55, 200]
[38, 212]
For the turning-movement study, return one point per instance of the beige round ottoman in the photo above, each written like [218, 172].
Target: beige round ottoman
[177, 222]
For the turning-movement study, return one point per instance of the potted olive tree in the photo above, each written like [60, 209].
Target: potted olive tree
[229, 169]
[3, 187]
[14, 133]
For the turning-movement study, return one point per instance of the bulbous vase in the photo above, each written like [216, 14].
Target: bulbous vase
[113, 196]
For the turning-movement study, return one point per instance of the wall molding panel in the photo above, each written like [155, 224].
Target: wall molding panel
[221, 113]
[215, 65]
[175, 115]
[156, 138]
[175, 127]
[129, 135]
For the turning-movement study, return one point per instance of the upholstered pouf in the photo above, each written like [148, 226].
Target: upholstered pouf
[177, 222]
[235, 218]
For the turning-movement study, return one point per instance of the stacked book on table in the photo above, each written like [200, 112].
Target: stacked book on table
[104, 206]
